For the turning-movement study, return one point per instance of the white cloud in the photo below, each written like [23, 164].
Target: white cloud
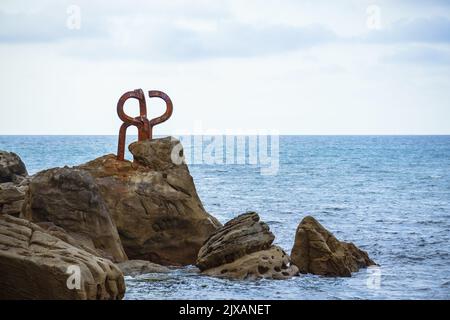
[296, 67]
[420, 55]
[435, 29]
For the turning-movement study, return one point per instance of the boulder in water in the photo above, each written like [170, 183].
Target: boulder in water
[272, 263]
[317, 251]
[242, 249]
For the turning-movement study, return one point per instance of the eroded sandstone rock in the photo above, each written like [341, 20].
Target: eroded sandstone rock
[154, 203]
[12, 169]
[12, 197]
[242, 235]
[272, 263]
[65, 236]
[317, 251]
[37, 265]
[13, 183]
[70, 199]
[242, 249]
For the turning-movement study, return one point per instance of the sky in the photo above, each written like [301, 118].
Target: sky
[229, 66]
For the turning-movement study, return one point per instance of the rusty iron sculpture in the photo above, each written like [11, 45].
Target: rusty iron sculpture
[144, 126]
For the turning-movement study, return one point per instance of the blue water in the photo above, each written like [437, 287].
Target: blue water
[390, 195]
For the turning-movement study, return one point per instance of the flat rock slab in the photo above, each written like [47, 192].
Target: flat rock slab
[138, 267]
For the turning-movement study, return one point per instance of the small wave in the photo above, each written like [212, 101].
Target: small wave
[430, 222]
[221, 171]
[410, 258]
[335, 208]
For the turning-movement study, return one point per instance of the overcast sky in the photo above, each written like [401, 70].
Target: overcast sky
[296, 67]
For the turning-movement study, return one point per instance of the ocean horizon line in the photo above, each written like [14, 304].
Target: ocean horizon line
[223, 134]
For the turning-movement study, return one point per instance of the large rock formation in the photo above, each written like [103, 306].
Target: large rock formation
[154, 203]
[69, 198]
[317, 251]
[37, 265]
[242, 249]
[12, 169]
[13, 183]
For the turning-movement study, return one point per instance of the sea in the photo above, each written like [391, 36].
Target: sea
[390, 195]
